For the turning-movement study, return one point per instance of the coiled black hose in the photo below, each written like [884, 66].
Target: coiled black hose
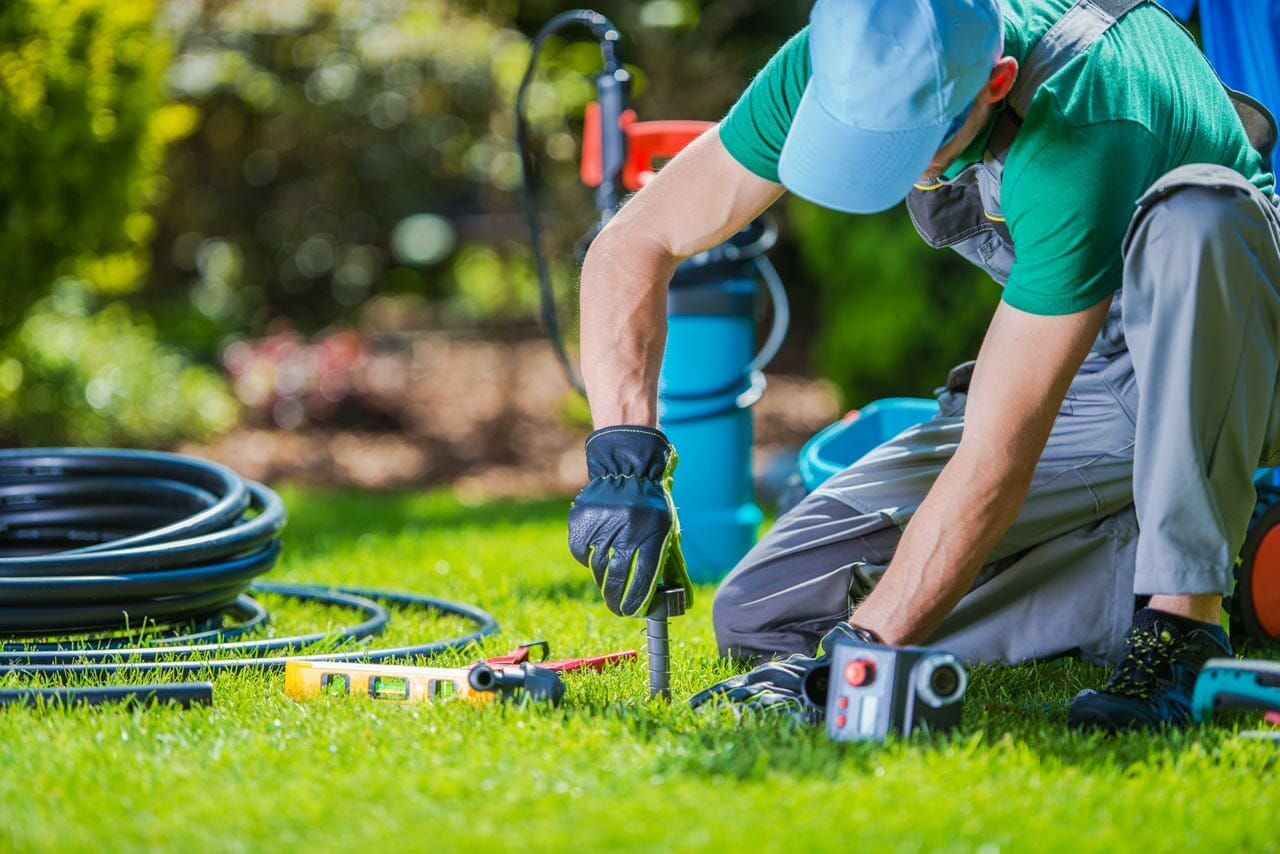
[99, 539]
[102, 541]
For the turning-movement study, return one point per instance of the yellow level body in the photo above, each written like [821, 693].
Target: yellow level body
[386, 682]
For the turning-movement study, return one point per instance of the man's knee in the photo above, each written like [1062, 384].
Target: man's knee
[722, 608]
[794, 584]
[1187, 210]
[735, 634]
[752, 624]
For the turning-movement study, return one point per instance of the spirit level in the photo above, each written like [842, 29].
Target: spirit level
[389, 682]
[503, 676]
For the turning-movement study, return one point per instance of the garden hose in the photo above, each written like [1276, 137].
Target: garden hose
[613, 90]
[186, 695]
[100, 539]
[608, 195]
[102, 543]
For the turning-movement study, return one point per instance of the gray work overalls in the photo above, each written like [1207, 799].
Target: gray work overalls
[1161, 428]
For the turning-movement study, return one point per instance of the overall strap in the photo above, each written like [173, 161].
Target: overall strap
[1071, 35]
[1259, 124]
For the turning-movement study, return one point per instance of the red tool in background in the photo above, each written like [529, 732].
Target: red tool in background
[647, 145]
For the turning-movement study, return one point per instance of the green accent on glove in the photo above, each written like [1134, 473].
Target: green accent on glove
[672, 569]
[623, 524]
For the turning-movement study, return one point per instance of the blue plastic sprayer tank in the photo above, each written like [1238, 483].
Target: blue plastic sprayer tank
[706, 390]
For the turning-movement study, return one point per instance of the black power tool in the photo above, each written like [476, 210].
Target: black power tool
[877, 690]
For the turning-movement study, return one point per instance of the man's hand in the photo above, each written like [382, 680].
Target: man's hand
[623, 523]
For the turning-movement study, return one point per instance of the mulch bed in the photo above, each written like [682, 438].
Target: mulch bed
[487, 417]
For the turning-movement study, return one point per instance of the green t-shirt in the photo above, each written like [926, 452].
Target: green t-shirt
[1141, 101]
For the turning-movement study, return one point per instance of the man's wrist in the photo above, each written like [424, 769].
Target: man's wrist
[883, 631]
[848, 632]
[864, 634]
[643, 413]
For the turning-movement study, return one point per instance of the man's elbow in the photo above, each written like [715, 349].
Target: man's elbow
[620, 247]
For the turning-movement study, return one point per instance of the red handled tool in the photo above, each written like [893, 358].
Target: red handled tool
[647, 143]
[522, 655]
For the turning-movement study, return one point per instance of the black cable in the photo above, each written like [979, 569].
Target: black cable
[173, 543]
[98, 538]
[185, 695]
[266, 653]
[606, 34]
[247, 616]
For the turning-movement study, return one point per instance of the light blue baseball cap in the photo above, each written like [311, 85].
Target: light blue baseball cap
[890, 80]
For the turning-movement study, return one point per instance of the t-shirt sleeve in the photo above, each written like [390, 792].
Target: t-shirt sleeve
[1068, 205]
[756, 126]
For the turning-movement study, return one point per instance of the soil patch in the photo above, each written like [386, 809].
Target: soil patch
[491, 418]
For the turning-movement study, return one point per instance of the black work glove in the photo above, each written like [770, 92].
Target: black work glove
[623, 523]
[796, 686]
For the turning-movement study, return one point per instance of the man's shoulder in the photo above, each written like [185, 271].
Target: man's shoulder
[755, 128]
[1140, 69]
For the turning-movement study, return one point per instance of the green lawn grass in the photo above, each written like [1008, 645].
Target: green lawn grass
[610, 769]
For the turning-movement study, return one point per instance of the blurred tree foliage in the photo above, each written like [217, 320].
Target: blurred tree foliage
[83, 128]
[354, 147]
[346, 148]
[71, 376]
[351, 148]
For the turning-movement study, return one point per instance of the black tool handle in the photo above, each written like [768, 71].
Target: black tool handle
[522, 681]
[613, 88]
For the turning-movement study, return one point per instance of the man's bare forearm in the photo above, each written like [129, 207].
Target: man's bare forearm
[1023, 371]
[624, 289]
[698, 199]
[970, 507]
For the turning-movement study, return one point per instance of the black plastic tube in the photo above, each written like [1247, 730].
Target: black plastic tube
[183, 694]
[102, 542]
[267, 653]
[615, 89]
[98, 539]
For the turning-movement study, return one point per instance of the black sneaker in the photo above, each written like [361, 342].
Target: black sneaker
[1152, 685]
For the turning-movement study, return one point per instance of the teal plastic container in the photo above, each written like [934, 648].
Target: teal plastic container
[840, 445]
[705, 393]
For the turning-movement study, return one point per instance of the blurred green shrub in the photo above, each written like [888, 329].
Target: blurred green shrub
[83, 128]
[896, 315]
[346, 148]
[351, 147]
[71, 377]
[84, 123]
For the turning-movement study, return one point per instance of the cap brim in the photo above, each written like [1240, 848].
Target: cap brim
[850, 169]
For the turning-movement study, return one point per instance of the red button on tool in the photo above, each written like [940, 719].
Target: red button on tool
[860, 671]
[843, 702]
[841, 720]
